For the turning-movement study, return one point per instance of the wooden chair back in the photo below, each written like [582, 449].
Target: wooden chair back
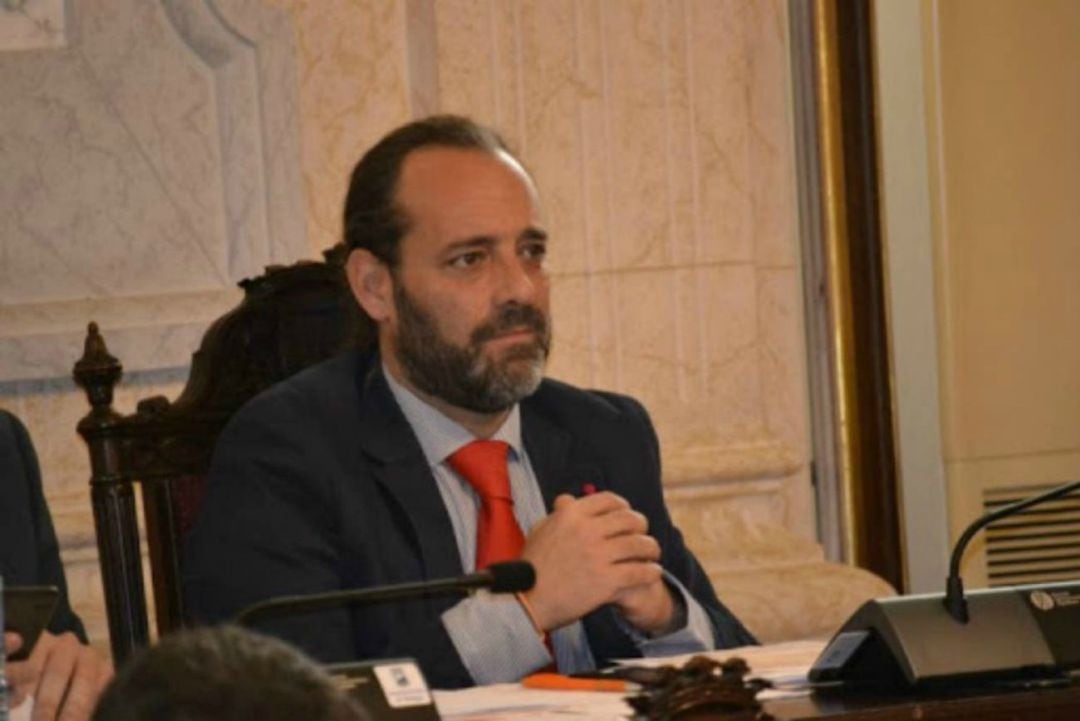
[290, 317]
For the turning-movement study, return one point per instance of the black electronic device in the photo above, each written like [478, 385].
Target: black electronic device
[1019, 633]
[1014, 634]
[27, 611]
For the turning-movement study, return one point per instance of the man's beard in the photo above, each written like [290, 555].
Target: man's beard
[464, 376]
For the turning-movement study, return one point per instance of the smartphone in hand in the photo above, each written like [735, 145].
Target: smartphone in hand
[27, 611]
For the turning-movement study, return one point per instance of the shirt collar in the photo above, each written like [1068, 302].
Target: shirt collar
[439, 436]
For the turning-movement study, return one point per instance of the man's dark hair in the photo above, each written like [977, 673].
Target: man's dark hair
[224, 674]
[372, 218]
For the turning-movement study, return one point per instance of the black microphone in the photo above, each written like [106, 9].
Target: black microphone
[1013, 634]
[507, 577]
[955, 602]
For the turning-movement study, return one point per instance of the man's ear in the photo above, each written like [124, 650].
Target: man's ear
[371, 284]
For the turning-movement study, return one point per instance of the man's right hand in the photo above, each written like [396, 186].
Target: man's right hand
[588, 552]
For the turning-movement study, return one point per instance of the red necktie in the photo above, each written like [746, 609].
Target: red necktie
[498, 535]
[483, 465]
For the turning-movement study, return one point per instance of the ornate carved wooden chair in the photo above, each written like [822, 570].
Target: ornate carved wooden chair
[290, 318]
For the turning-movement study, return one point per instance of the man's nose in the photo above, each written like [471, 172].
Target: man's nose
[517, 281]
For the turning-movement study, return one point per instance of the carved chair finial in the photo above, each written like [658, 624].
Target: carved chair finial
[97, 371]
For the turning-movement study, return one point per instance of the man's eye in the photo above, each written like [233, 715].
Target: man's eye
[534, 251]
[466, 260]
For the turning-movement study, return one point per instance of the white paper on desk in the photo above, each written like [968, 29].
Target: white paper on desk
[510, 701]
[785, 664]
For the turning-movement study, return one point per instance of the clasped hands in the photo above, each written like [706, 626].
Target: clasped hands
[63, 676]
[593, 551]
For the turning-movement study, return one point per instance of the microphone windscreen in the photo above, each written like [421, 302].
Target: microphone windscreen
[512, 576]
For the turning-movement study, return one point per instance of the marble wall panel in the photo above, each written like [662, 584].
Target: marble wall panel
[772, 189]
[137, 171]
[597, 205]
[572, 298]
[273, 35]
[353, 86]
[636, 167]
[549, 132]
[683, 179]
[719, 50]
[780, 360]
[585, 313]
[480, 62]
[659, 135]
[648, 366]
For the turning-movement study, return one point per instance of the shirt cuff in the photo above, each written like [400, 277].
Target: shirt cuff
[692, 636]
[495, 638]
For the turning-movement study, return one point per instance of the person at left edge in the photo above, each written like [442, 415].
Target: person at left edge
[63, 675]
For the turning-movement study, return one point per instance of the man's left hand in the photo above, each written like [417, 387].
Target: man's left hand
[63, 676]
[649, 608]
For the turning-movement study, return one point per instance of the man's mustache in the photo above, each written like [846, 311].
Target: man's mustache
[512, 317]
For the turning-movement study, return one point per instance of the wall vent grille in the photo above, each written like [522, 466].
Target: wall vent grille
[1041, 544]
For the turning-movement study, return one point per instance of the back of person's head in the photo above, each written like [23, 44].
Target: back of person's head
[223, 674]
[372, 219]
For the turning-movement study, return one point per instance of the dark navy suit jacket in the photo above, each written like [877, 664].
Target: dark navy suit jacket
[29, 553]
[319, 484]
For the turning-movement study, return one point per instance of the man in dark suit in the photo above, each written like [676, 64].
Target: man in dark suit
[63, 675]
[363, 470]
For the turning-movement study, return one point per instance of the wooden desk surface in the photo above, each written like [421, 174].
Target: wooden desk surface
[1054, 704]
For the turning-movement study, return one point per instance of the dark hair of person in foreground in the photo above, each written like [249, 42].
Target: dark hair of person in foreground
[224, 674]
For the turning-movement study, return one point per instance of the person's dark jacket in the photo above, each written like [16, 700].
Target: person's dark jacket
[320, 484]
[29, 552]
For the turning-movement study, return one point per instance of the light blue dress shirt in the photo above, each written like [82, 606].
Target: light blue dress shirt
[492, 632]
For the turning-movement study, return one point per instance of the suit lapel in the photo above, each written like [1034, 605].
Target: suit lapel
[401, 469]
[554, 458]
